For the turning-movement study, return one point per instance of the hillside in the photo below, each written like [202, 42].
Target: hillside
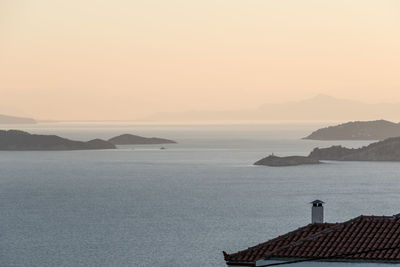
[387, 150]
[358, 130]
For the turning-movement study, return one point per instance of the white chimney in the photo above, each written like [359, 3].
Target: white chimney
[317, 211]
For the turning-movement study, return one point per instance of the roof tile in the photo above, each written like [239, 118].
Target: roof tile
[362, 238]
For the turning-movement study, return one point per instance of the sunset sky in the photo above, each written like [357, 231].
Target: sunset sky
[122, 60]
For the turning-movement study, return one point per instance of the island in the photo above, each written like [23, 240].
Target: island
[358, 130]
[130, 139]
[15, 140]
[275, 161]
[6, 119]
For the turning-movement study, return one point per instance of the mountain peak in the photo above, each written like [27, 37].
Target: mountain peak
[323, 97]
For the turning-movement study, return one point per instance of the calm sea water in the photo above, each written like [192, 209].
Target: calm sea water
[142, 206]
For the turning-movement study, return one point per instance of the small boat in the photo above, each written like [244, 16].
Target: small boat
[162, 148]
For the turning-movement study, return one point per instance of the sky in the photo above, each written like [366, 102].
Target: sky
[124, 60]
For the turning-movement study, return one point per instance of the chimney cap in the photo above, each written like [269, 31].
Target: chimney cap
[317, 201]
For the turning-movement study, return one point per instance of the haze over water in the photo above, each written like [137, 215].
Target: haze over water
[212, 75]
[142, 206]
[126, 60]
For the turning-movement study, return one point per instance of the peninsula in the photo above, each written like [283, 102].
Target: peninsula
[358, 130]
[130, 139]
[386, 150]
[6, 119]
[275, 161]
[15, 140]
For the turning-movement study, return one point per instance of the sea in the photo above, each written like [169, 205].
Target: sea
[178, 206]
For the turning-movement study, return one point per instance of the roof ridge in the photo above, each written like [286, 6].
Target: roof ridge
[379, 216]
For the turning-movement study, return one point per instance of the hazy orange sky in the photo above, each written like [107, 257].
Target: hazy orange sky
[93, 59]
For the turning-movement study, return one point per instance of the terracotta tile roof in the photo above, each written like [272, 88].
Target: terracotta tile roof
[370, 238]
[259, 251]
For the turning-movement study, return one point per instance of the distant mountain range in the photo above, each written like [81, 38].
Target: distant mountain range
[318, 108]
[358, 130]
[6, 119]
